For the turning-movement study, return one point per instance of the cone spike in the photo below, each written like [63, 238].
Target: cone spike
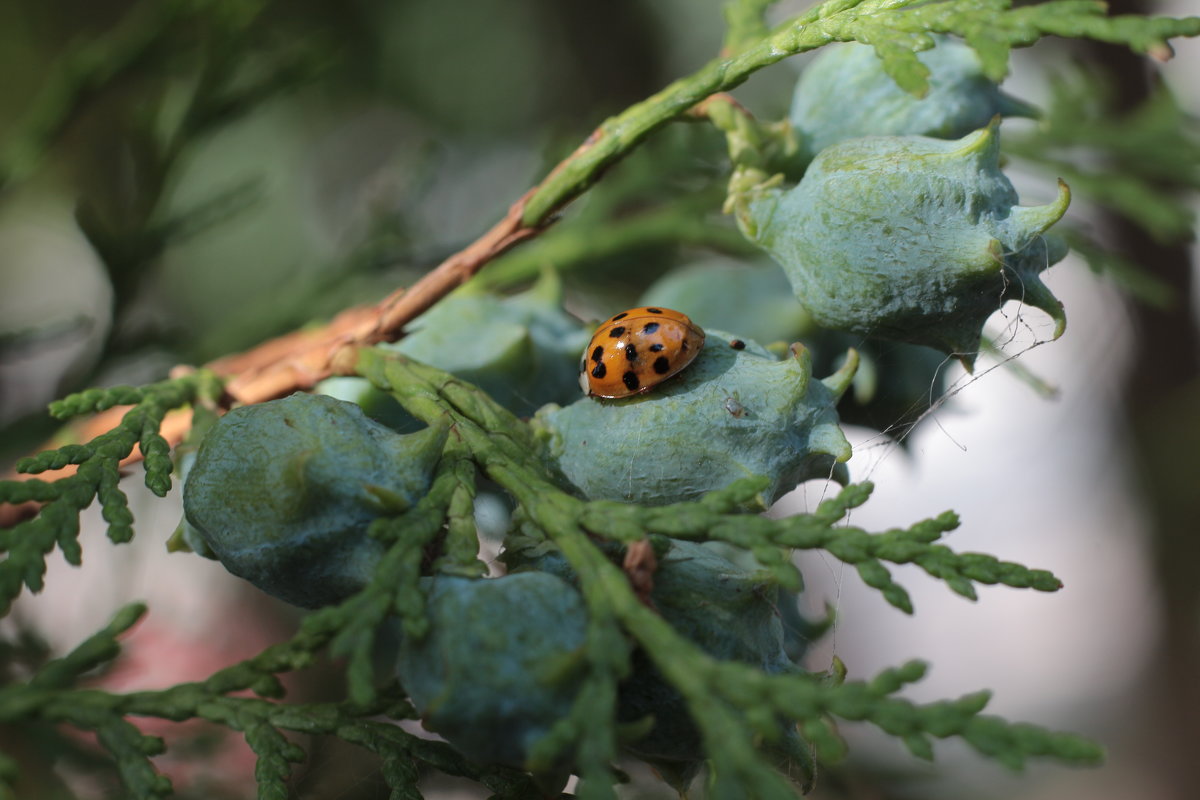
[802, 359]
[840, 381]
[983, 144]
[802, 354]
[1035, 293]
[1031, 221]
[1012, 107]
[828, 438]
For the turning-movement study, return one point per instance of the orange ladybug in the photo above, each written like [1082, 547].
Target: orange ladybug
[638, 349]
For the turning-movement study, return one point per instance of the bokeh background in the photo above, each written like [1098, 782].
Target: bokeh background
[182, 180]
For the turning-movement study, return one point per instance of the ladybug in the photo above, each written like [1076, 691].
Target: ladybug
[638, 349]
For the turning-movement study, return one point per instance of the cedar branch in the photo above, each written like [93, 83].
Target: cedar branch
[299, 360]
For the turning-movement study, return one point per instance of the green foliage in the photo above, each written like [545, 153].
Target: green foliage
[96, 476]
[393, 588]
[732, 704]
[51, 695]
[724, 698]
[736, 707]
[898, 29]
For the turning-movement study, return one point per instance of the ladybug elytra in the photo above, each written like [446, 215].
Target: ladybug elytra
[638, 349]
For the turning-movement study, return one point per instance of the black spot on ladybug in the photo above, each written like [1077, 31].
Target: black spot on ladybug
[656, 347]
[737, 344]
[661, 365]
[630, 352]
[683, 346]
[599, 371]
[598, 354]
[630, 379]
[651, 327]
[622, 315]
[654, 310]
[616, 332]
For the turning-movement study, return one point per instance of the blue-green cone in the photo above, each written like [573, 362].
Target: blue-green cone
[844, 93]
[501, 663]
[522, 350]
[911, 238]
[895, 382]
[731, 414]
[727, 610]
[283, 493]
